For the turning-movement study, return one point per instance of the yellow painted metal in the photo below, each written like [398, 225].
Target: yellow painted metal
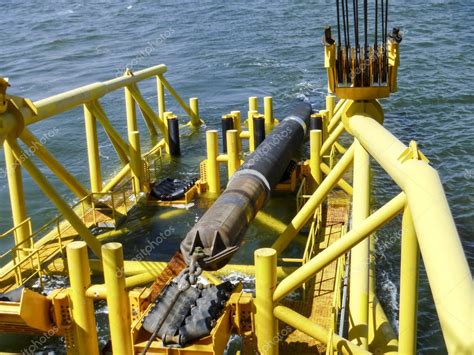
[338, 113]
[233, 162]
[330, 106]
[315, 140]
[253, 103]
[160, 89]
[136, 163]
[343, 184]
[56, 199]
[307, 211]
[339, 247]
[332, 138]
[410, 255]
[119, 144]
[93, 151]
[82, 307]
[213, 178]
[194, 105]
[251, 123]
[116, 179]
[268, 113]
[296, 320]
[238, 126]
[117, 298]
[149, 116]
[35, 146]
[359, 274]
[451, 287]
[17, 197]
[266, 325]
[270, 222]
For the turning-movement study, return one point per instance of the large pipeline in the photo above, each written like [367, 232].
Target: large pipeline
[221, 229]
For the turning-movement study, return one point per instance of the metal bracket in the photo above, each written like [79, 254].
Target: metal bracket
[412, 152]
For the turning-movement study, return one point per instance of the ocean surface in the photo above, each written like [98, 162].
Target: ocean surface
[224, 52]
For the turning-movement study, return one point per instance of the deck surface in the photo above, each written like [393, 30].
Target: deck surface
[318, 306]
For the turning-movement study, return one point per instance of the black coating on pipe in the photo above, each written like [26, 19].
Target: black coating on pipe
[227, 124]
[173, 134]
[316, 123]
[221, 229]
[259, 130]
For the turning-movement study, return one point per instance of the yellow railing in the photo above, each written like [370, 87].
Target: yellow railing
[427, 227]
[19, 113]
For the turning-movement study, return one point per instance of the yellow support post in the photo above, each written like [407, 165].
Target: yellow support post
[266, 325]
[82, 307]
[251, 122]
[410, 256]
[17, 199]
[341, 246]
[194, 106]
[332, 138]
[160, 89]
[330, 106]
[136, 164]
[304, 215]
[325, 121]
[253, 103]
[315, 137]
[50, 161]
[233, 153]
[213, 178]
[268, 113]
[238, 126]
[359, 276]
[56, 199]
[93, 151]
[117, 298]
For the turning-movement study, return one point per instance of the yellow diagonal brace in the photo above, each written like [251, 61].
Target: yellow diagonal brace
[148, 114]
[55, 166]
[56, 199]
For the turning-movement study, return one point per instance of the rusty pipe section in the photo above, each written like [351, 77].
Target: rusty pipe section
[221, 229]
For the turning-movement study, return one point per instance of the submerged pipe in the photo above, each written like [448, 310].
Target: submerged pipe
[221, 229]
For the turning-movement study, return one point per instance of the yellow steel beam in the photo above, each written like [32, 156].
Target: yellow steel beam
[116, 179]
[408, 286]
[148, 114]
[268, 113]
[266, 325]
[315, 141]
[341, 246]
[342, 183]
[50, 161]
[451, 284]
[359, 274]
[17, 197]
[297, 321]
[251, 123]
[306, 213]
[83, 318]
[95, 173]
[160, 90]
[213, 178]
[332, 138]
[56, 199]
[233, 153]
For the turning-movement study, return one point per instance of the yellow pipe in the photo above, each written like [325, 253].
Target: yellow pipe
[408, 286]
[330, 106]
[297, 321]
[343, 184]
[117, 298]
[315, 138]
[93, 150]
[339, 247]
[253, 103]
[266, 325]
[270, 222]
[251, 124]
[56, 199]
[338, 114]
[194, 105]
[307, 211]
[136, 163]
[268, 113]
[116, 179]
[233, 161]
[17, 198]
[213, 178]
[237, 126]
[332, 138]
[160, 89]
[83, 317]
[451, 285]
[67, 100]
[359, 276]
[339, 105]
[34, 145]
[148, 114]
